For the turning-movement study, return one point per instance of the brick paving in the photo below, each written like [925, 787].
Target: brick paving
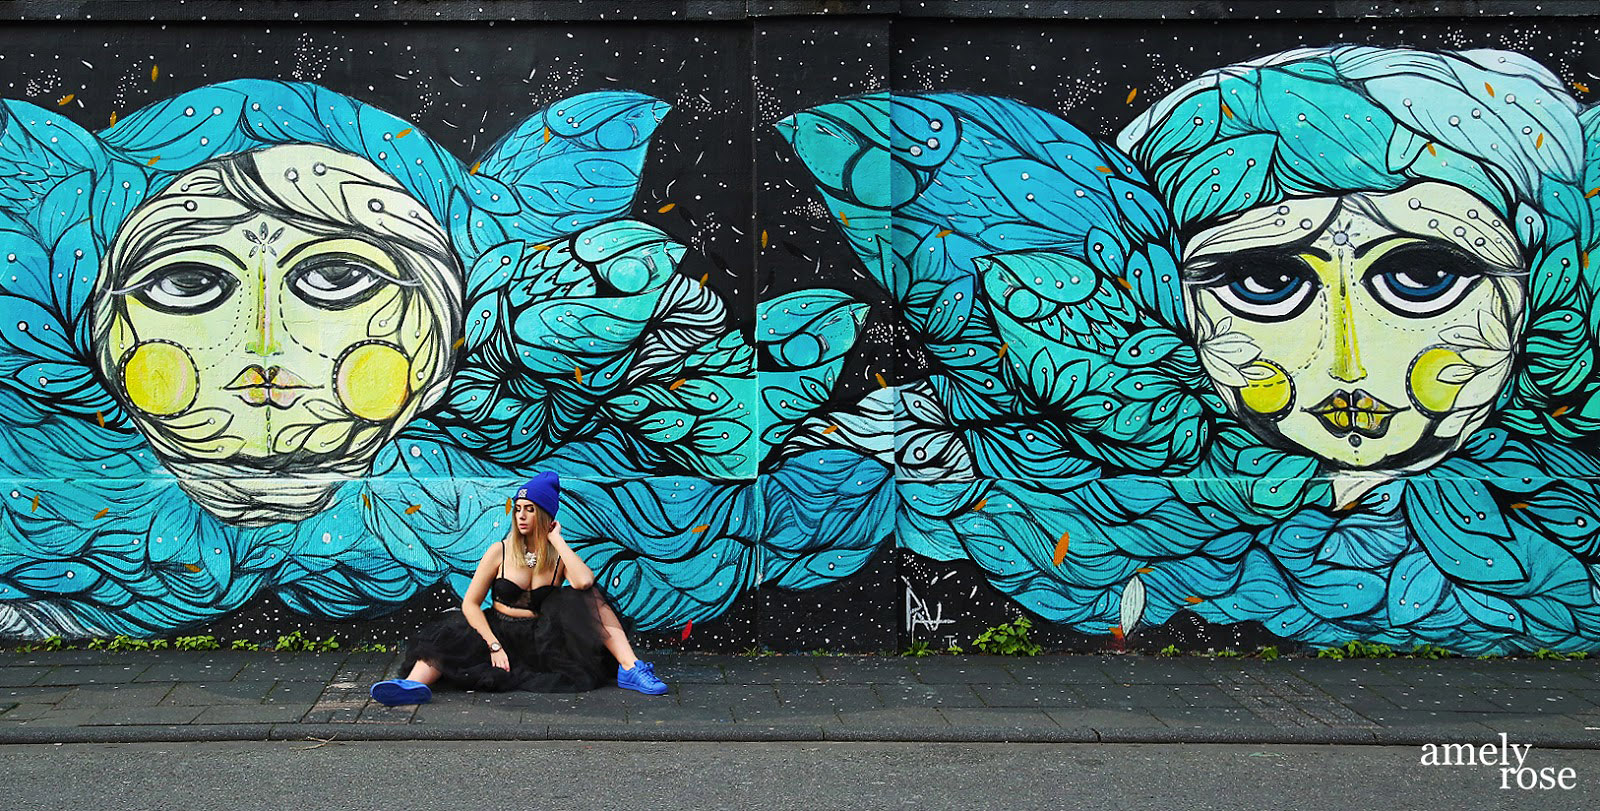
[71, 696]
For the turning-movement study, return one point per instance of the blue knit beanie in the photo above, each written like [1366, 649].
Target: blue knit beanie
[543, 490]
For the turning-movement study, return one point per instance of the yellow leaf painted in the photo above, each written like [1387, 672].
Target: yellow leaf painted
[763, 237]
[1131, 94]
[67, 99]
[152, 161]
[946, 232]
[704, 279]
[459, 343]
[100, 418]
[412, 510]
[844, 219]
[508, 506]
[35, 507]
[982, 502]
[701, 528]
[191, 567]
[881, 381]
[1226, 110]
[1431, 150]
[1003, 349]
[668, 207]
[1562, 410]
[541, 247]
[113, 121]
[403, 133]
[1538, 142]
[676, 384]
[1144, 570]
[155, 70]
[1521, 505]
[830, 429]
[102, 513]
[547, 135]
[1193, 600]
[1581, 87]
[366, 502]
[474, 169]
[1489, 87]
[1105, 169]
[577, 372]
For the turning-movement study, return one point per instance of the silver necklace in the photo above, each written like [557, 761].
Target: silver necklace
[531, 558]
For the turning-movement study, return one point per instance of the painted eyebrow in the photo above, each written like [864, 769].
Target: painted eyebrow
[212, 249]
[303, 247]
[1212, 267]
[288, 258]
[1365, 248]
[296, 250]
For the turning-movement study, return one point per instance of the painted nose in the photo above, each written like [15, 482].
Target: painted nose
[265, 342]
[1346, 366]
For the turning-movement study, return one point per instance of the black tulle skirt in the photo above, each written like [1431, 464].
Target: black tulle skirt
[562, 650]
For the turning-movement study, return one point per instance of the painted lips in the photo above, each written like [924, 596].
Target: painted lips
[1354, 412]
[274, 386]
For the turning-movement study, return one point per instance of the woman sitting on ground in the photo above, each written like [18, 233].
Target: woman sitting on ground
[542, 637]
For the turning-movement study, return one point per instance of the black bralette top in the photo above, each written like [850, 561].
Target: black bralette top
[507, 592]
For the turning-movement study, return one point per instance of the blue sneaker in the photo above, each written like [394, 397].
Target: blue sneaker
[401, 691]
[642, 678]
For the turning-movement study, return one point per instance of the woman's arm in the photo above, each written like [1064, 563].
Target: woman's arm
[578, 573]
[472, 602]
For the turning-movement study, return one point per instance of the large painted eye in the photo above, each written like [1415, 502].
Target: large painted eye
[1420, 280]
[1263, 287]
[183, 289]
[336, 281]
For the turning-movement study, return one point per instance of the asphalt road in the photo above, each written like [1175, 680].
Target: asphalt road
[546, 775]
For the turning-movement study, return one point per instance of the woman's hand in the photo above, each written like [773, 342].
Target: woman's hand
[500, 659]
[578, 573]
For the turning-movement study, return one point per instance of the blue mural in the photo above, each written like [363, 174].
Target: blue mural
[261, 336]
[1312, 345]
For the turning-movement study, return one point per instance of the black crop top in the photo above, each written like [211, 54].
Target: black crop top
[507, 592]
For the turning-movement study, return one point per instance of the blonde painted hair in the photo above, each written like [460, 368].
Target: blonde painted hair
[539, 539]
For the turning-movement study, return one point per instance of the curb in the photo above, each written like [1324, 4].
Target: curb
[770, 733]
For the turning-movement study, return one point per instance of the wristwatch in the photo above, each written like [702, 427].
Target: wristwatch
[494, 647]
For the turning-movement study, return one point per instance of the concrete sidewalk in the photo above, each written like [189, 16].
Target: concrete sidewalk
[91, 696]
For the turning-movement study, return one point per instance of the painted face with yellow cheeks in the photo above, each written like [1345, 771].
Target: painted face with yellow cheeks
[1373, 331]
[281, 312]
[282, 329]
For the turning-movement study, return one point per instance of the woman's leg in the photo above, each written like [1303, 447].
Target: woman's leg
[611, 631]
[423, 672]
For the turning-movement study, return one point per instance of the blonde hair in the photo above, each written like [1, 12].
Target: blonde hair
[540, 538]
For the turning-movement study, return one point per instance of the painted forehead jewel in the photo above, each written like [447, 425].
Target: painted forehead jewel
[262, 242]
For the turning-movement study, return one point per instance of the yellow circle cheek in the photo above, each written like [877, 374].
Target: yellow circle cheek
[1428, 376]
[160, 378]
[371, 381]
[1271, 393]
